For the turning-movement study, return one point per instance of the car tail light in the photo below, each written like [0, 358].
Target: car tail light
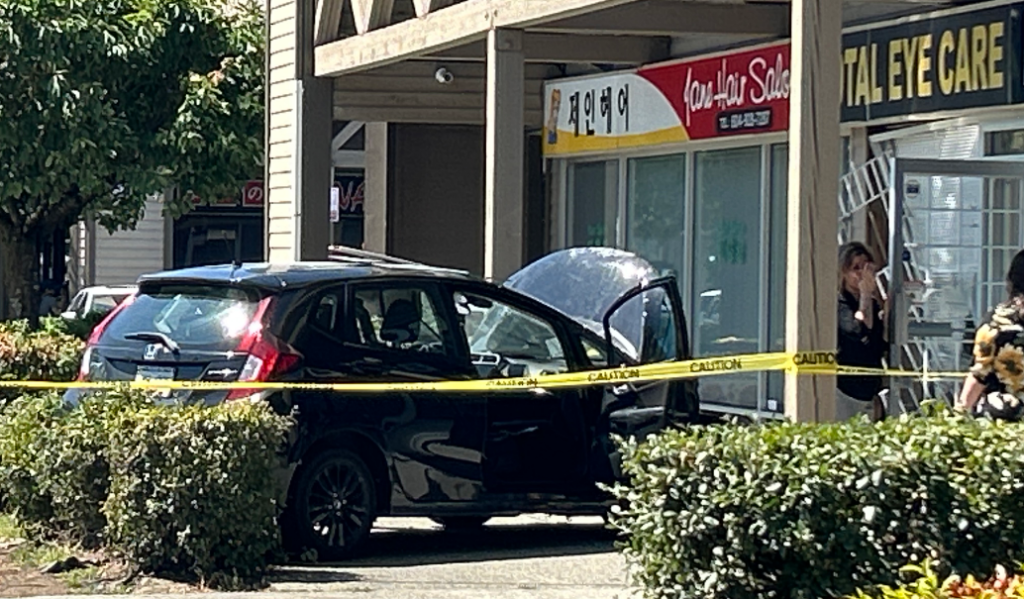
[97, 332]
[268, 356]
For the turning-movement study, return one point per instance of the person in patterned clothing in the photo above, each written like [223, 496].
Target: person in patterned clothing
[995, 385]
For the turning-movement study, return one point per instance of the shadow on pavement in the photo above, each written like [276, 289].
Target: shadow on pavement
[397, 547]
[311, 575]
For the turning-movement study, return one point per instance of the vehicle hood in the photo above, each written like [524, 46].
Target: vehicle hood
[584, 282]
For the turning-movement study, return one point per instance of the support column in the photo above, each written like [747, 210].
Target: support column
[811, 249]
[375, 202]
[503, 179]
[858, 155]
[316, 169]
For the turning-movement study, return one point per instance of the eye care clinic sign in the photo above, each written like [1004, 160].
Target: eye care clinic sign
[929, 63]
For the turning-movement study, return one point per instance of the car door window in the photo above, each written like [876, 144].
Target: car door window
[403, 319]
[595, 352]
[326, 315]
[505, 340]
[644, 327]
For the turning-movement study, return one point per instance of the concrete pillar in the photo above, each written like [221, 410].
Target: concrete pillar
[811, 272]
[375, 203]
[503, 165]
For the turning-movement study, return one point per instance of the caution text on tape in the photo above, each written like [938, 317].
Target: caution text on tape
[800, 363]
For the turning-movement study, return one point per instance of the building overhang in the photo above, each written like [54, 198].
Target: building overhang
[558, 31]
[385, 55]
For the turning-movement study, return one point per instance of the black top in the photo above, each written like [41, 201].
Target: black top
[859, 346]
[276, 276]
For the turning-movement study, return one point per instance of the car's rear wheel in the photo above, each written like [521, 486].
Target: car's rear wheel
[461, 523]
[335, 504]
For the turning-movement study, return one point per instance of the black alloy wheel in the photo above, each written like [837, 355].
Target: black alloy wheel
[461, 523]
[335, 504]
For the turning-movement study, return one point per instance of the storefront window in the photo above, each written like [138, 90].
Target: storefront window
[655, 211]
[593, 203]
[727, 267]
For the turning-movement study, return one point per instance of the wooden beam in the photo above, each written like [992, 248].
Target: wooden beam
[327, 21]
[812, 211]
[425, 7]
[375, 204]
[346, 133]
[426, 85]
[456, 25]
[561, 48]
[426, 70]
[673, 17]
[371, 14]
[418, 99]
[503, 160]
[532, 119]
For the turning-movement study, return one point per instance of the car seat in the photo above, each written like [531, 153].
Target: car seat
[401, 323]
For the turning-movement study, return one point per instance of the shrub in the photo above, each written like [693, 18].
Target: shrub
[811, 511]
[54, 463]
[43, 355]
[192, 490]
[80, 328]
[176, 490]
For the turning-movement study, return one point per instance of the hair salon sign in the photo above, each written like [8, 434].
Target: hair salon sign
[728, 94]
[923, 64]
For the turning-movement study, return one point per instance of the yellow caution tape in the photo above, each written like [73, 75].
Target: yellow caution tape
[801, 363]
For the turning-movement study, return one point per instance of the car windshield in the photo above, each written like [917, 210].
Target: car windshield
[514, 334]
[106, 303]
[597, 278]
[212, 317]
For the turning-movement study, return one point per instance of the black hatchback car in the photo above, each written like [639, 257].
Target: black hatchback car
[458, 458]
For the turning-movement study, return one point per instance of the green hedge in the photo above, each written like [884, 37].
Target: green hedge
[811, 511]
[175, 490]
[192, 489]
[49, 354]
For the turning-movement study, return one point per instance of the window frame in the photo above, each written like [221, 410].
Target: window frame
[572, 347]
[442, 309]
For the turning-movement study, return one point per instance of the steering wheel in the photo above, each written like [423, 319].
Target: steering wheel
[434, 347]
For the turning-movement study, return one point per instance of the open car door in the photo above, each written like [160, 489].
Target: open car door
[647, 325]
[624, 300]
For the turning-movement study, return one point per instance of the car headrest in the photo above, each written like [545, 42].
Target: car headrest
[401, 322]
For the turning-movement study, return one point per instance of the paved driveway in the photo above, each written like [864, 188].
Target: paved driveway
[536, 557]
[529, 557]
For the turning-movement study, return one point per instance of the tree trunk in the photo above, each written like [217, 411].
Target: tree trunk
[20, 262]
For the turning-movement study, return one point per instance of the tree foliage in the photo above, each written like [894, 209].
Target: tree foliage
[106, 102]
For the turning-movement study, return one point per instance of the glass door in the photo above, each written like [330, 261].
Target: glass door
[961, 225]
[591, 214]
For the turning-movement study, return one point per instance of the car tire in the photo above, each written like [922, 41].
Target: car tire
[335, 504]
[461, 523]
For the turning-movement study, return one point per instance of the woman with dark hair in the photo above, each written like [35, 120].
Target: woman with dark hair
[861, 338]
[995, 385]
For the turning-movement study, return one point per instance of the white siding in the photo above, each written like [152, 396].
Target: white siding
[280, 145]
[125, 255]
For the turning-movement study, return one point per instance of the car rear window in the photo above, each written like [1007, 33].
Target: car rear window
[208, 317]
[106, 303]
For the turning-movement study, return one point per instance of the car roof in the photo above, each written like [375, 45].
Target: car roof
[112, 289]
[299, 274]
